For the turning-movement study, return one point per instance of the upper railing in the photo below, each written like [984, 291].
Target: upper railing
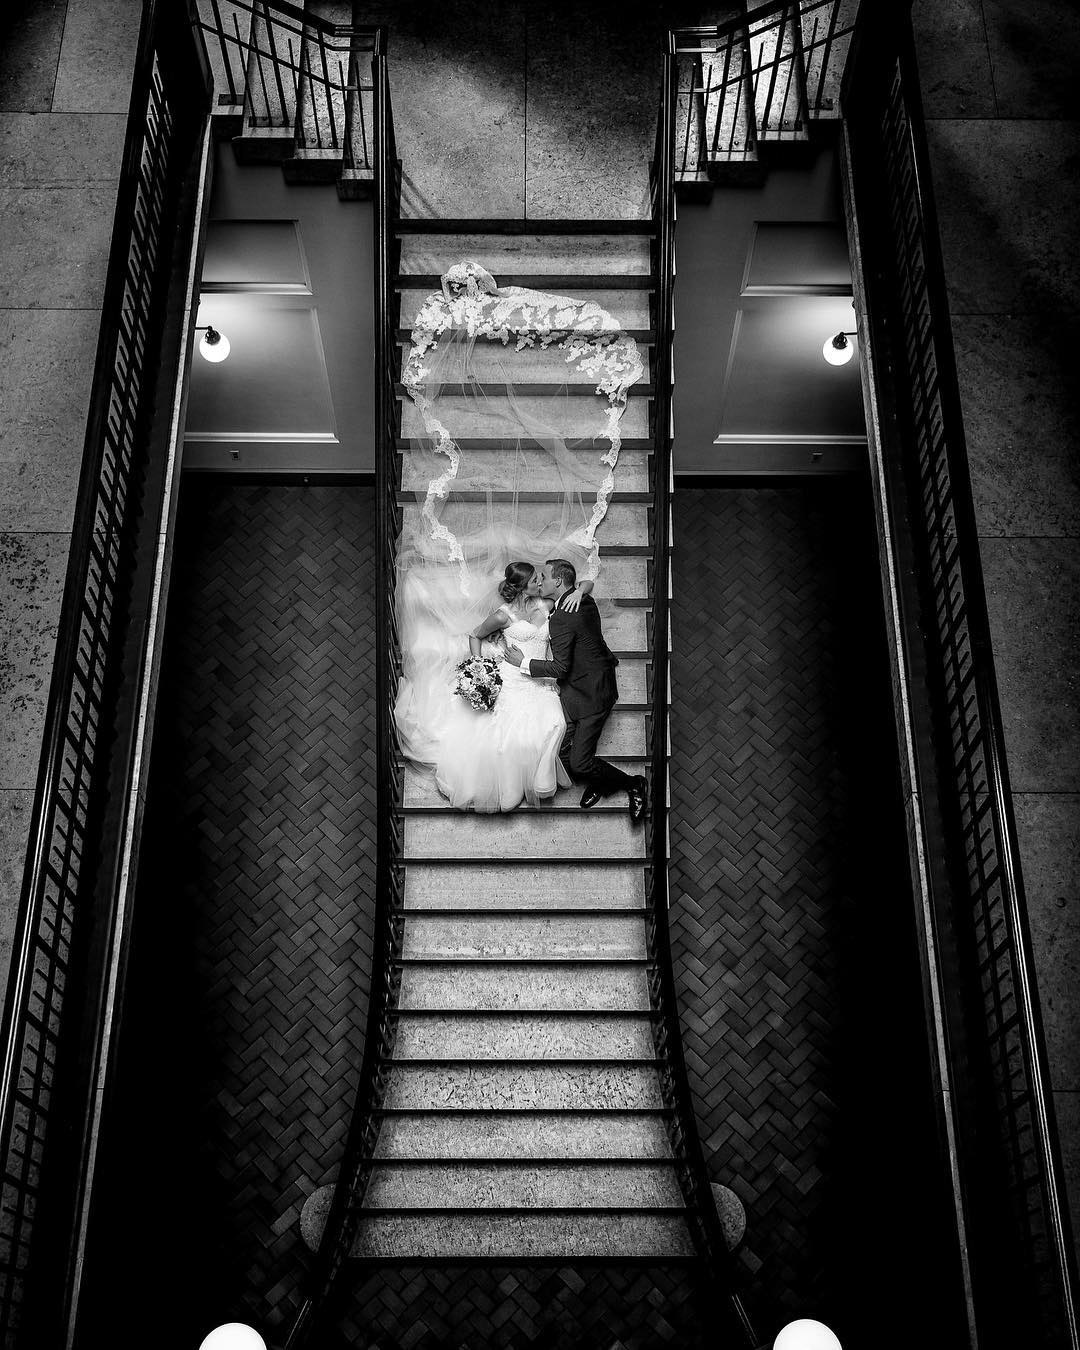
[682, 1130]
[295, 74]
[760, 77]
[69, 931]
[343, 1221]
[994, 1084]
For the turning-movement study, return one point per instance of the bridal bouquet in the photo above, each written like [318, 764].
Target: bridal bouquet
[478, 681]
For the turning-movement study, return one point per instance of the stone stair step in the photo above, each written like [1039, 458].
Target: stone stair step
[778, 96]
[643, 336]
[420, 789]
[540, 937]
[522, 987]
[624, 523]
[504, 468]
[826, 36]
[523, 1236]
[572, 418]
[555, 283]
[530, 1185]
[516, 225]
[519, 1036]
[629, 308]
[491, 362]
[520, 834]
[522, 1086]
[729, 128]
[623, 735]
[524, 1134]
[501, 886]
[594, 255]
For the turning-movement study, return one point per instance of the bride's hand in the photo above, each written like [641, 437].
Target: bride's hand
[572, 603]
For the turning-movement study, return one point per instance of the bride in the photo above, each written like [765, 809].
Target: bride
[531, 476]
[492, 761]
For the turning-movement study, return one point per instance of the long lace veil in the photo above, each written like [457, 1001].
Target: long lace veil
[501, 470]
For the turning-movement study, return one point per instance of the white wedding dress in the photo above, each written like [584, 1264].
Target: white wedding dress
[493, 761]
[542, 494]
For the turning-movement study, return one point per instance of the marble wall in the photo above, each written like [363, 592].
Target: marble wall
[65, 80]
[999, 94]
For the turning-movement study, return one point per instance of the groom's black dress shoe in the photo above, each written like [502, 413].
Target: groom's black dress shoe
[638, 792]
[589, 798]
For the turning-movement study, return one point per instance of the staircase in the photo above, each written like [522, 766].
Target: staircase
[294, 91]
[753, 86]
[523, 1116]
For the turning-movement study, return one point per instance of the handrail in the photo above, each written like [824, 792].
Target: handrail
[686, 1146]
[996, 1096]
[344, 1217]
[294, 71]
[775, 62]
[68, 940]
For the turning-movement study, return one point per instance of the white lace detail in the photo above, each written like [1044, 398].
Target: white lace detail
[591, 338]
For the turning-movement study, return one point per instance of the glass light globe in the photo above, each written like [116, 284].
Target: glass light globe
[233, 1336]
[806, 1334]
[837, 350]
[214, 347]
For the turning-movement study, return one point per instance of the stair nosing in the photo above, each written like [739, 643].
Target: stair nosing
[553, 1211]
[640, 1013]
[556, 282]
[519, 1160]
[522, 1061]
[422, 860]
[530, 389]
[515, 225]
[646, 336]
[522, 960]
[624, 912]
[405, 498]
[486, 1112]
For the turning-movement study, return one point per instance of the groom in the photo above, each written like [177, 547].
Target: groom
[585, 670]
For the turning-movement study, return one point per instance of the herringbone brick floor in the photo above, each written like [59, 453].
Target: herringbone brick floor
[515, 1308]
[252, 944]
[791, 913]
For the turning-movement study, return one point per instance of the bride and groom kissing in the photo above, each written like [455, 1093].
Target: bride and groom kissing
[557, 693]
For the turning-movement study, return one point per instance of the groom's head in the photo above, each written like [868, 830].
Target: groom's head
[557, 578]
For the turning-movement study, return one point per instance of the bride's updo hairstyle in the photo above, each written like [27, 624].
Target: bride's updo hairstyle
[517, 577]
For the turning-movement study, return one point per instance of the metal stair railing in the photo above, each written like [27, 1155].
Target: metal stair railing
[345, 1213]
[689, 1161]
[735, 102]
[993, 1084]
[71, 932]
[293, 71]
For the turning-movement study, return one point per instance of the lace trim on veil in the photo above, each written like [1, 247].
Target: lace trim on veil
[591, 338]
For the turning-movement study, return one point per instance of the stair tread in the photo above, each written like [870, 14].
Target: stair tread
[617, 498]
[504, 442]
[540, 1234]
[642, 335]
[536, 389]
[518, 225]
[542, 281]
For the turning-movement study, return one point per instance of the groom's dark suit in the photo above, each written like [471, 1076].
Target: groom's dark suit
[584, 667]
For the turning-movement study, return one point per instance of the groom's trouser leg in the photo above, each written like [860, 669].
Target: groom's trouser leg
[584, 765]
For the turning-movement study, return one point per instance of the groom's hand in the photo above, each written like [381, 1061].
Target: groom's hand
[514, 654]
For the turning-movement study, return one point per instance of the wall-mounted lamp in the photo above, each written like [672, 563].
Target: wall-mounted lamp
[837, 350]
[233, 1336]
[213, 346]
